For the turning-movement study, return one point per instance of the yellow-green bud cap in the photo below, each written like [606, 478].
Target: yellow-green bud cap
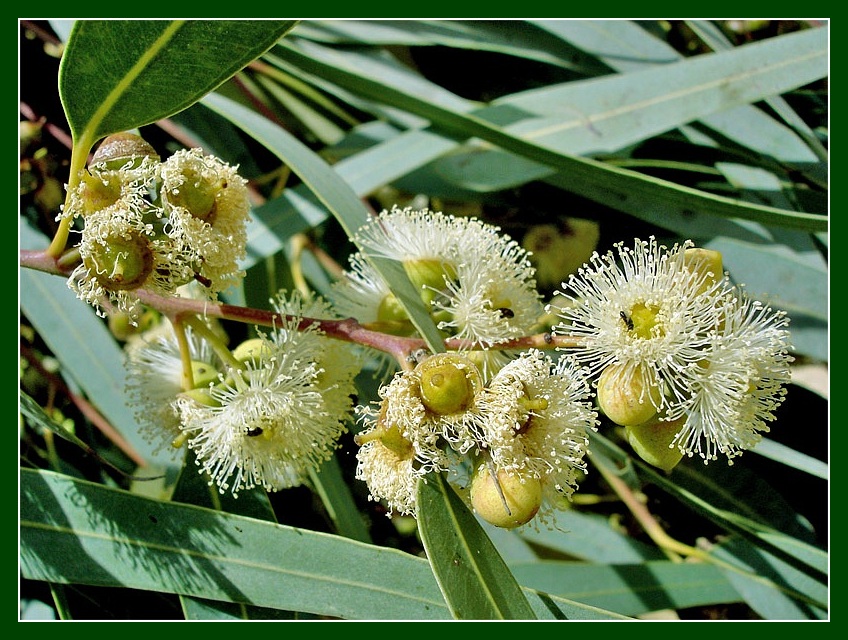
[121, 263]
[622, 398]
[449, 382]
[119, 149]
[652, 442]
[203, 374]
[253, 349]
[705, 261]
[516, 503]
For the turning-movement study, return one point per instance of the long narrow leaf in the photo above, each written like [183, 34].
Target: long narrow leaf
[598, 181]
[336, 195]
[77, 532]
[475, 581]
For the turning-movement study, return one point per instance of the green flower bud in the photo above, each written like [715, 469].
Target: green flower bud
[253, 349]
[652, 442]
[449, 383]
[515, 504]
[203, 373]
[705, 261]
[622, 398]
[120, 262]
[123, 150]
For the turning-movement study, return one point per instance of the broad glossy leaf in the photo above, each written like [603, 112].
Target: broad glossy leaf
[475, 581]
[77, 532]
[117, 75]
[631, 589]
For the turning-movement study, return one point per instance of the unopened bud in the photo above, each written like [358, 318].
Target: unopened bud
[652, 441]
[508, 503]
[623, 398]
[123, 150]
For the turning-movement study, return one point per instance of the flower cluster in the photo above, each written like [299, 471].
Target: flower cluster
[656, 339]
[156, 225]
[528, 427]
[477, 281]
[266, 414]
[686, 362]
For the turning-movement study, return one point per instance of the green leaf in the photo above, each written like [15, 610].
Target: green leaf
[475, 581]
[590, 537]
[619, 188]
[630, 589]
[774, 589]
[77, 532]
[151, 69]
[512, 38]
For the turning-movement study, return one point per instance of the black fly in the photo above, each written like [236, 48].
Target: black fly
[627, 320]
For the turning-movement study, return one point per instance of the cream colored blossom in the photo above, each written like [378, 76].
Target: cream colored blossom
[206, 202]
[740, 382]
[644, 310]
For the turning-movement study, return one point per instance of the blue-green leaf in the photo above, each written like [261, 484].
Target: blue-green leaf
[631, 589]
[76, 532]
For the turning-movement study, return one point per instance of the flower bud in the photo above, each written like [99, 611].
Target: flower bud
[705, 261]
[253, 349]
[449, 382]
[622, 397]
[123, 150]
[203, 374]
[652, 442]
[509, 503]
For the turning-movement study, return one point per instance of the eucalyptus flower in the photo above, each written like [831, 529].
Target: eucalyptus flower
[649, 313]
[740, 382]
[207, 207]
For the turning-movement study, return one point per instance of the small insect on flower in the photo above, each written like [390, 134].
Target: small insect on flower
[627, 320]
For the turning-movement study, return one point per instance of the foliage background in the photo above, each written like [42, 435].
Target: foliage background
[399, 110]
